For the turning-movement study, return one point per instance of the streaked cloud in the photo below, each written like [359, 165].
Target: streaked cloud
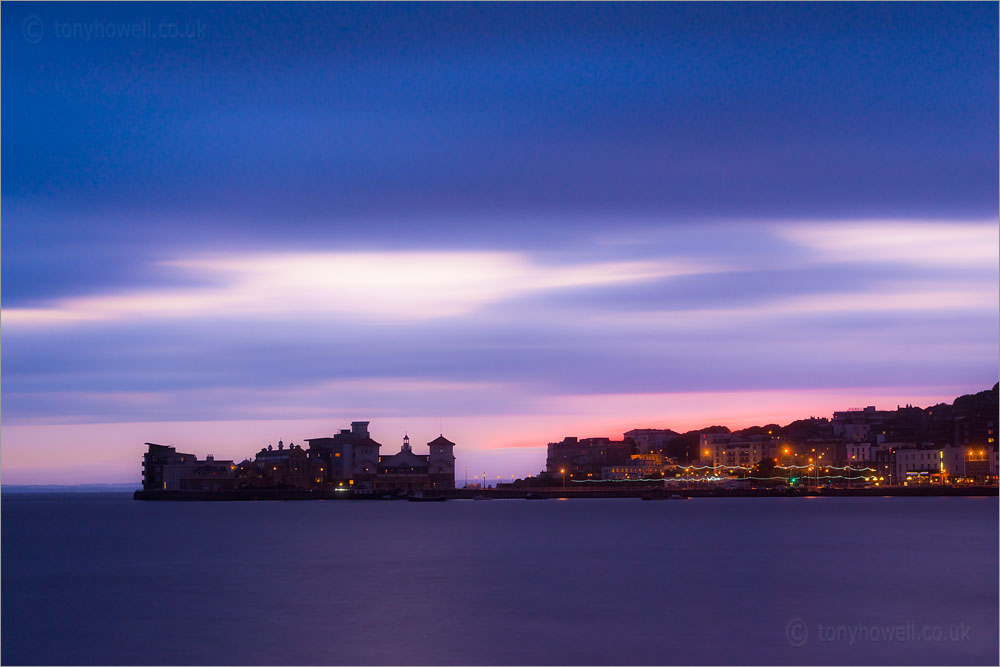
[389, 286]
[933, 243]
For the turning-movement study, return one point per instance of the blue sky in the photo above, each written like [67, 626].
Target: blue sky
[526, 219]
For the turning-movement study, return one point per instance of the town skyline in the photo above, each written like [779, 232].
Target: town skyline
[946, 445]
[477, 464]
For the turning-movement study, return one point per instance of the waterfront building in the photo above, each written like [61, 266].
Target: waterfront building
[976, 430]
[858, 452]
[884, 459]
[406, 472]
[348, 460]
[352, 460]
[640, 466]
[861, 424]
[918, 465]
[970, 465]
[248, 475]
[166, 469]
[651, 440]
[153, 461]
[727, 451]
[281, 467]
[586, 458]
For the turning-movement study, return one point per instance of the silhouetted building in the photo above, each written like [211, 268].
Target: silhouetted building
[352, 460]
[153, 461]
[857, 452]
[651, 440]
[861, 425]
[281, 467]
[406, 472]
[726, 451]
[348, 459]
[641, 466]
[166, 469]
[574, 458]
[909, 424]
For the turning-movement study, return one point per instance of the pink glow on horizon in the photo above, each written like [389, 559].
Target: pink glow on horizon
[498, 444]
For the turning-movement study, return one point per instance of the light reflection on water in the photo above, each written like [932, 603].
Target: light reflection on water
[102, 579]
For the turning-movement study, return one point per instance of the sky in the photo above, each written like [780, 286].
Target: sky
[229, 224]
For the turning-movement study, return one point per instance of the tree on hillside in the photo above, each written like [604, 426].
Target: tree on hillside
[765, 467]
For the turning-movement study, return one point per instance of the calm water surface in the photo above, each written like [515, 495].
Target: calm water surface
[103, 579]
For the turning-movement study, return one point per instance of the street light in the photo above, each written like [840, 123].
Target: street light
[562, 471]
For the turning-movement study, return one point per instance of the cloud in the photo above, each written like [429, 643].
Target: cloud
[909, 242]
[297, 333]
[296, 398]
[381, 287]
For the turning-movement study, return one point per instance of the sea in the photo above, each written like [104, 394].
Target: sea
[98, 578]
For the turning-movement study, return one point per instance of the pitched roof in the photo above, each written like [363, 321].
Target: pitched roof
[441, 440]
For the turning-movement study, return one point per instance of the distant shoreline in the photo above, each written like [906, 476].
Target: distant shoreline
[112, 487]
[503, 493]
[547, 494]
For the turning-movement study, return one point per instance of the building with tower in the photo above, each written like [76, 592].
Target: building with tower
[352, 459]
[406, 472]
[348, 461]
